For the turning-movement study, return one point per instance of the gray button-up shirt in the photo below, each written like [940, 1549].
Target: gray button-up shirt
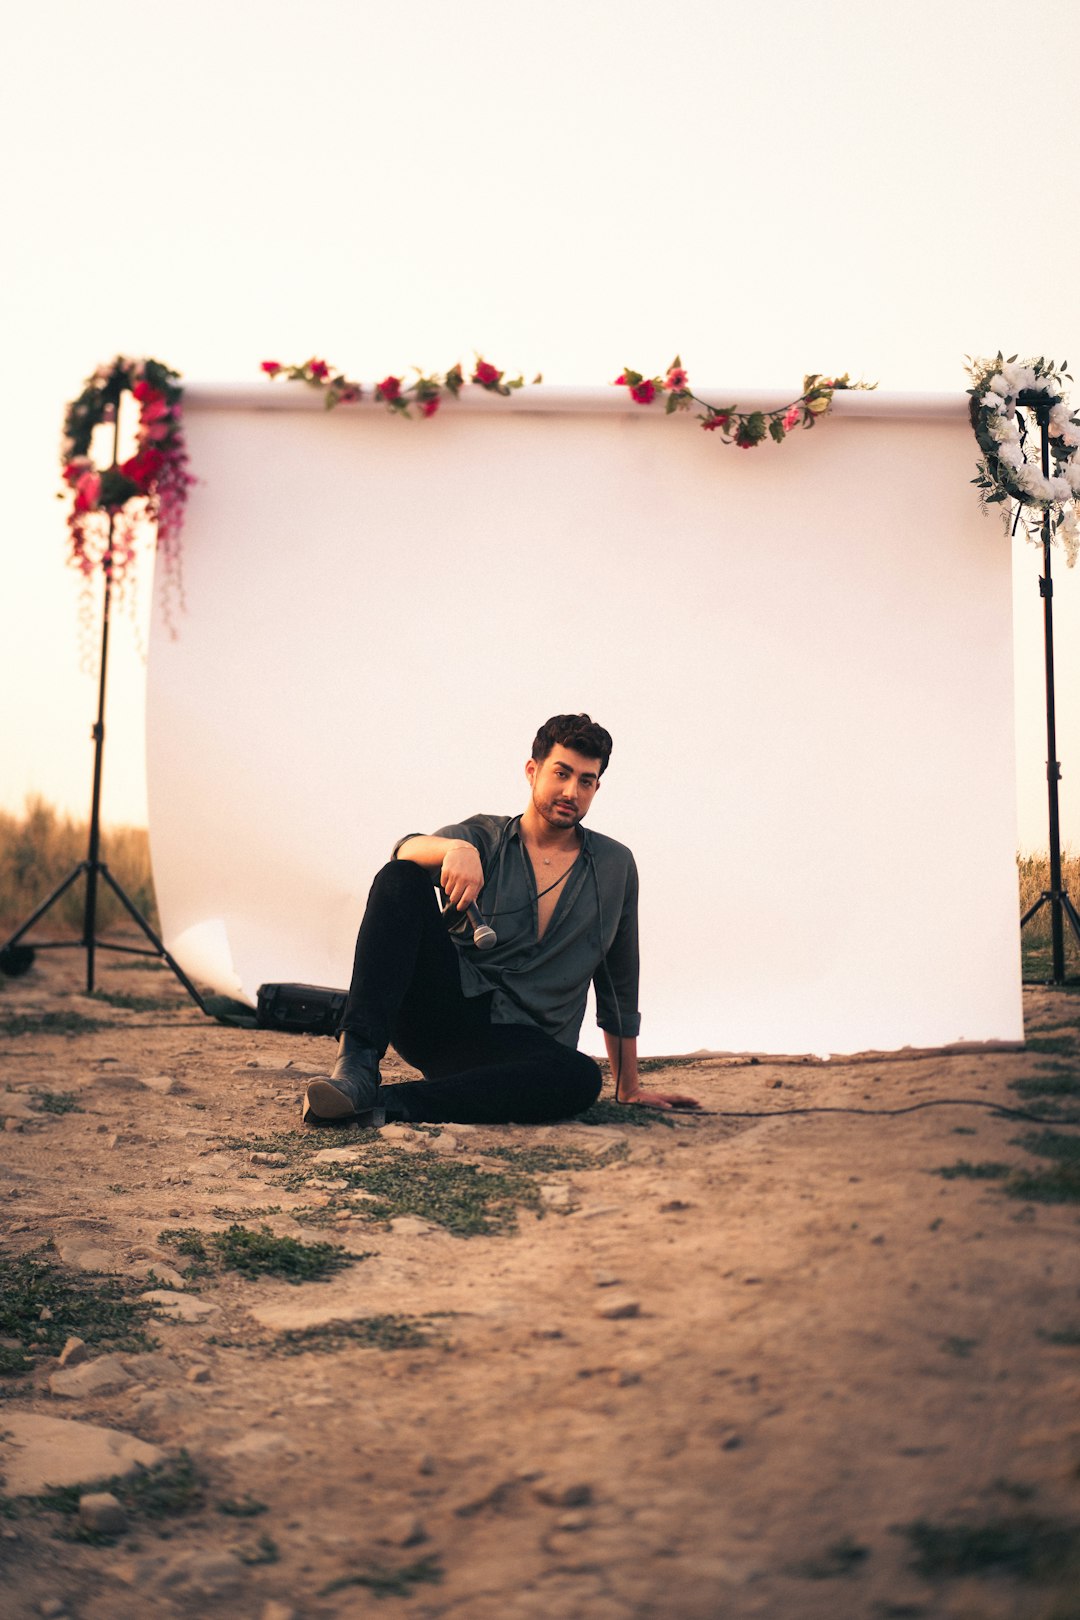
[592, 936]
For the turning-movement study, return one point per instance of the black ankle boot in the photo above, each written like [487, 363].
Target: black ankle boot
[349, 1090]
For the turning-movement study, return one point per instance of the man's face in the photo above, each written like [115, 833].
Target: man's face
[563, 786]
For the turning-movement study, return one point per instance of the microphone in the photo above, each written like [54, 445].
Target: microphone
[484, 936]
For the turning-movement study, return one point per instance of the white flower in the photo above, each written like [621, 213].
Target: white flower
[1010, 454]
[991, 402]
[998, 385]
[1060, 489]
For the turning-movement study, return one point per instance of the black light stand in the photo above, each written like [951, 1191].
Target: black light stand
[93, 867]
[1061, 907]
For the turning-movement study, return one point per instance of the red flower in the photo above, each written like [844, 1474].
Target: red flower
[87, 491]
[143, 467]
[389, 389]
[319, 369]
[349, 394]
[620, 381]
[486, 374]
[430, 406]
[644, 392]
[676, 379]
[271, 367]
[146, 394]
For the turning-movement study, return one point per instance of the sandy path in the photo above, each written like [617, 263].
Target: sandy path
[713, 1372]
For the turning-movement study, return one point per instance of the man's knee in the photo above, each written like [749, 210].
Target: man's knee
[402, 881]
[583, 1081]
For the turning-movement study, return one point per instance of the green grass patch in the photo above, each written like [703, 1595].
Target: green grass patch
[464, 1198]
[1058, 1185]
[1063, 1146]
[547, 1157]
[615, 1113]
[1063, 1045]
[1026, 1546]
[1068, 1336]
[373, 1332]
[841, 1558]
[42, 1306]
[988, 1170]
[53, 1023]
[961, 1348]
[257, 1254]
[243, 1507]
[56, 1102]
[383, 1582]
[264, 1550]
[167, 1491]
[1052, 1084]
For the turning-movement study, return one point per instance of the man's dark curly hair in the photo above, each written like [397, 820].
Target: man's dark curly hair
[576, 731]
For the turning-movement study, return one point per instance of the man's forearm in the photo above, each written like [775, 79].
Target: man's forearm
[622, 1055]
[429, 852]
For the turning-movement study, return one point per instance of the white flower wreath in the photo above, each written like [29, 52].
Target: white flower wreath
[1005, 476]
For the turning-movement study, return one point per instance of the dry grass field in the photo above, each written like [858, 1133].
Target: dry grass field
[39, 848]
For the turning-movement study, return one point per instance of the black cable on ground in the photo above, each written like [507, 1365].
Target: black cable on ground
[882, 1113]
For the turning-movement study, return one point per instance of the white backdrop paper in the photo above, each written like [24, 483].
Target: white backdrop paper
[803, 654]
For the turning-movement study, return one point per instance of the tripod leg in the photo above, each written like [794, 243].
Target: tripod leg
[137, 917]
[1030, 912]
[43, 908]
[1073, 916]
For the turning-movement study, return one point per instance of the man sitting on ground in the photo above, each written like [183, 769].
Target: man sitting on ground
[494, 1032]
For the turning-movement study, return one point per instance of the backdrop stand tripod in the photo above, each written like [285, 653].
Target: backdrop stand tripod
[1061, 907]
[93, 867]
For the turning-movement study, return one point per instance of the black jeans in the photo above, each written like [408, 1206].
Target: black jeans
[406, 991]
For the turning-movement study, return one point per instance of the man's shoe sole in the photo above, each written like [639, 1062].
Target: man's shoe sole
[326, 1104]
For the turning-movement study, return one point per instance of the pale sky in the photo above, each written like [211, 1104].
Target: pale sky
[564, 186]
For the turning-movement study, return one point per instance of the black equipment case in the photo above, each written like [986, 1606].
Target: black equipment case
[299, 1009]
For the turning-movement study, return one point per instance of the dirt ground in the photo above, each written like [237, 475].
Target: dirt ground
[693, 1368]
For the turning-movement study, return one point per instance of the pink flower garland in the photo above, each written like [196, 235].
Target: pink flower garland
[110, 505]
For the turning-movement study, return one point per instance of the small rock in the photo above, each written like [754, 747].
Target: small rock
[276, 1160]
[556, 1195]
[407, 1531]
[273, 1610]
[565, 1496]
[731, 1443]
[12, 1125]
[91, 1378]
[426, 1464]
[52, 1608]
[45, 1315]
[620, 1309]
[166, 1274]
[673, 1205]
[605, 1279]
[624, 1377]
[206, 1574]
[346, 1155]
[73, 1352]
[101, 1512]
[444, 1142]
[411, 1225]
[38, 1451]
[198, 1374]
[163, 1084]
[547, 1331]
[399, 1133]
[572, 1522]
[183, 1307]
